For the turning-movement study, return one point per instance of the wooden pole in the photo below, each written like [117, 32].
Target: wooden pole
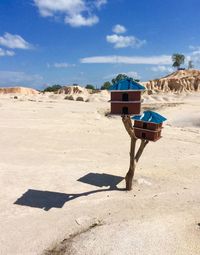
[134, 157]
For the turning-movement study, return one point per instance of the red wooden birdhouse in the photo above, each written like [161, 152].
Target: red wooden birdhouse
[148, 126]
[126, 97]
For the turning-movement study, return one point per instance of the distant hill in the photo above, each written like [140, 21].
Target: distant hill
[18, 90]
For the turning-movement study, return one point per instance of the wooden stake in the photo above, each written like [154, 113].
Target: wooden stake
[131, 171]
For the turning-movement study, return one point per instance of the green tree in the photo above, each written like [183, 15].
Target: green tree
[119, 77]
[53, 88]
[89, 86]
[190, 64]
[106, 85]
[178, 59]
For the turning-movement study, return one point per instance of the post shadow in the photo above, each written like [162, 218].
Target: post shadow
[101, 180]
[48, 199]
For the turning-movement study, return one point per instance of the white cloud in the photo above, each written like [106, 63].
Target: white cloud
[76, 12]
[14, 42]
[99, 3]
[63, 65]
[151, 60]
[194, 48]
[133, 74]
[50, 7]
[194, 55]
[10, 78]
[119, 29]
[9, 53]
[121, 41]
[78, 20]
[162, 69]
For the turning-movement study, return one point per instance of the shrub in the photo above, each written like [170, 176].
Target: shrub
[69, 98]
[106, 85]
[80, 99]
[53, 88]
[89, 86]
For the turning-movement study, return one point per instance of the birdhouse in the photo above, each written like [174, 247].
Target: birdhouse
[148, 126]
[126, 97]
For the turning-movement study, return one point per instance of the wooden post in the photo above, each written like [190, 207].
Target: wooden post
[134, 157]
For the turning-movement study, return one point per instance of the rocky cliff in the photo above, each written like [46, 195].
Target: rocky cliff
[181, 80]
[71, 90]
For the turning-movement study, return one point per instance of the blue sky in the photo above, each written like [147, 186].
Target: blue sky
[45, 42]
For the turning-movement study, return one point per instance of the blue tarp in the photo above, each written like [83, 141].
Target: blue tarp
[127, 84]
[149, 116]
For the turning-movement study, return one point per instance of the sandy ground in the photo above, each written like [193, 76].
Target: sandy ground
[58, 165]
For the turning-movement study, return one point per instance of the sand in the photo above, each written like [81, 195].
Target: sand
[48, 144]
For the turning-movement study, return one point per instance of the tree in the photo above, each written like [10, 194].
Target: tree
[190, 64]
[106, 85]
[134, 156]
[53, 88]
[89, 86]
[178, 59]
[119, 77]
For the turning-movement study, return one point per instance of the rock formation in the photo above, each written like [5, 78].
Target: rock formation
[71, 90]
[179, 81]
[18, 90]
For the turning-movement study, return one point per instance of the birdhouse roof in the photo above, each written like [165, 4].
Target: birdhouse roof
[149, 116]
[127, 84]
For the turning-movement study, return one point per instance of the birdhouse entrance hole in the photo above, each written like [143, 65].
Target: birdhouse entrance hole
[144, 125]
[125, 97]
[125, 110]
[143, 136]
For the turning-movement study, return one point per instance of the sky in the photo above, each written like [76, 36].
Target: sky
[46, 42]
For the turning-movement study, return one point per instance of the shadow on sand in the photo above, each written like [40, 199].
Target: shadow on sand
[48, 199]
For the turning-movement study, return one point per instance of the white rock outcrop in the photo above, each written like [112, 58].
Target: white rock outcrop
[179, 81]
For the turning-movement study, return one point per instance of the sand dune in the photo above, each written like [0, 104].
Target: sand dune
[60, 161]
